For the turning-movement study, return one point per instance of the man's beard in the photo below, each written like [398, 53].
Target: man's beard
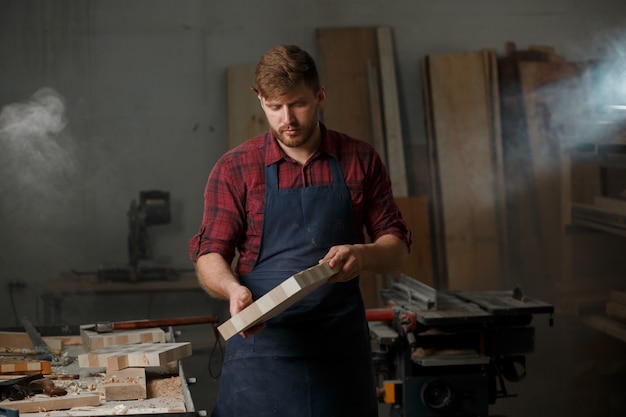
[304, 134]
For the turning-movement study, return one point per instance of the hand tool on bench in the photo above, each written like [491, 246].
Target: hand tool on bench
[47, 386]
[17, 388]
[107, 326]
[42, 351]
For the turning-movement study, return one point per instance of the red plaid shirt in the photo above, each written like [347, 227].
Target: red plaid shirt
[235, 194]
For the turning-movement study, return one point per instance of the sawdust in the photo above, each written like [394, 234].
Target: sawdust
[165, 388]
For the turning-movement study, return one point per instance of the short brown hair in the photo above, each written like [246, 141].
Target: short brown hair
[282, 68]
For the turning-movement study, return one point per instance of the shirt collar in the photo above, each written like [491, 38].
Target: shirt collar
[274, 152]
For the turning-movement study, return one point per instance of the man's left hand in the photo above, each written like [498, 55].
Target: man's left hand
[349, 258]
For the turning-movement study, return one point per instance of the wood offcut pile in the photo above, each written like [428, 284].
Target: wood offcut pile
[119, 377]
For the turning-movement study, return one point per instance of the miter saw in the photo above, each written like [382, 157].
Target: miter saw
[153, 208]
[448, 353]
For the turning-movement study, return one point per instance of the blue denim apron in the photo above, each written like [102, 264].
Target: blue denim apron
[314, 358]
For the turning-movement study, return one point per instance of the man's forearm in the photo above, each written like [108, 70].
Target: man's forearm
[216, 276]
[387, 254]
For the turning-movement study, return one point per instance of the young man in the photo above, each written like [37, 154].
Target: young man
[295, 196]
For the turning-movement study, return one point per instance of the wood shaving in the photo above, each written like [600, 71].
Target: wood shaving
[165, 388]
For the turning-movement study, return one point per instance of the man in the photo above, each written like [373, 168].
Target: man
[295, 196]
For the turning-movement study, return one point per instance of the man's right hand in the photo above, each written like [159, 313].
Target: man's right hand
[241, 298]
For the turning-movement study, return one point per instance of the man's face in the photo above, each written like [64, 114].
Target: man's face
[293, 116]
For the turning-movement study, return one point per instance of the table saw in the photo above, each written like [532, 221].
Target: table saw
[449, 353]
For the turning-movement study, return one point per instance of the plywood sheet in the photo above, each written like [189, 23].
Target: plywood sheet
[277, 300]
[139, 355]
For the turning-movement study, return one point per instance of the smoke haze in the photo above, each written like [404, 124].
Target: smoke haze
[36, 155]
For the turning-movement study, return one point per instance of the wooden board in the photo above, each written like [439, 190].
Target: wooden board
[93, 340]
[391, 110]
[467, 170]
[125, 384]
[22, 365]
[138, 355]
[277, 300]
[19, 342]
[420, 263]
[343, 57]
[246, 118]
[43, 403]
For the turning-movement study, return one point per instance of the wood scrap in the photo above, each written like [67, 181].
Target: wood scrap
[43, 403]
[278, 299]
[125, 384]
[23, 365]
[93, 340]
[19, 342]
[137, 355]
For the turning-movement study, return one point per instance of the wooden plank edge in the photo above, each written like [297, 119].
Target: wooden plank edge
[259, 309]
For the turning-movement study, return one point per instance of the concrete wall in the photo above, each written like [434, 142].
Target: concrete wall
[142, 89]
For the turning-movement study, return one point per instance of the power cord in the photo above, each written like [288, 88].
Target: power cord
[217, 348]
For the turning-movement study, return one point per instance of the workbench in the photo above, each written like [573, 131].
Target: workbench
[168, 393]
[54, 292]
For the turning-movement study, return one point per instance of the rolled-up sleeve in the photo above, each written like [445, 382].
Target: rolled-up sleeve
[222, 216]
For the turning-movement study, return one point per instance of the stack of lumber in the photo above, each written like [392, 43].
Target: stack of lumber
[125, 377]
